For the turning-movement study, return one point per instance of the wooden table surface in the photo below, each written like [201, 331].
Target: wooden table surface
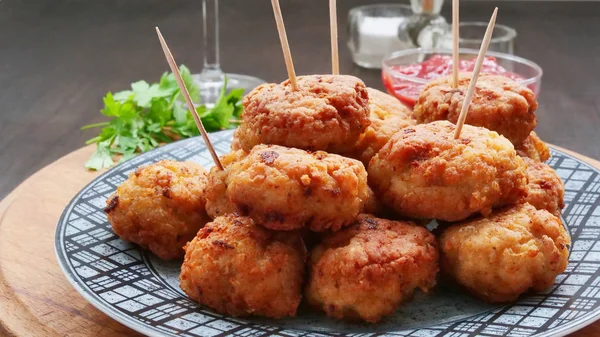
[58, 58]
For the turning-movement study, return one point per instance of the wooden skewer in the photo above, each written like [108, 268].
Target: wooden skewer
[335, 64]
[469, 96]
[287, 55]
[455, 46]
[188, 99]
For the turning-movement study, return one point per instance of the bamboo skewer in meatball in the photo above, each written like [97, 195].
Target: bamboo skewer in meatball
[316, 112]
[434, 171]
[160, 207]
[499, 104]
[285, 188]
[512, 251]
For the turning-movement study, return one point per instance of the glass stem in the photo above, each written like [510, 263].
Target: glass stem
[210, 16]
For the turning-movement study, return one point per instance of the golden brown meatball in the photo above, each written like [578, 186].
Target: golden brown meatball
[533, 147]
[217, 202]
[328, 112]
[238, 268]
[423, 172]
[366, 270]
[387, 117]
[500, 257]
[499, 104]
[160, 207]
[545, 189]
[285, 188]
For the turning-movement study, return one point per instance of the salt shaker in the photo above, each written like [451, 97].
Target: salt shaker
[373, 32]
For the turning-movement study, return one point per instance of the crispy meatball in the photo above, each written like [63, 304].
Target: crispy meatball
[238, 268]
[217, 202]
[533, 147]
[366, 270]
[499, 104]
[285, 188]
[388, 116]
[545, 189]
[328, 112]
[500, 257]
[160, 207]
[423, 172]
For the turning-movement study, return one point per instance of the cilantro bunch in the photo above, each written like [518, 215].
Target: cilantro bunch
[149, 115]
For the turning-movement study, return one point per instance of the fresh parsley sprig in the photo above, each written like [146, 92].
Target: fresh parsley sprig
[152, 114]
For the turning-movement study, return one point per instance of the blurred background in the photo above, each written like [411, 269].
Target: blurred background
[59, 58]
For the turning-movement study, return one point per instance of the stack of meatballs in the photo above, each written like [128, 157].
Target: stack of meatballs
[326, 192]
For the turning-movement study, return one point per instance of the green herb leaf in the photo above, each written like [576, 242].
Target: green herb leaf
[100, 159]
[149, 115]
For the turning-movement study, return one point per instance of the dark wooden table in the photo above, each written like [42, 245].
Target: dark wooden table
[59, 57]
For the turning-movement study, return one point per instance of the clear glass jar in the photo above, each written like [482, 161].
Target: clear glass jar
[373, 32]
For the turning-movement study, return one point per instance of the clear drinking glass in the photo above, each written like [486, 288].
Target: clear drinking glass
[211, 79]
[373, 32]
[471, 34]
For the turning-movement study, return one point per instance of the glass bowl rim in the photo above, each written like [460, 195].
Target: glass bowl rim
[389, 71]
[362, 8]
[509, 32]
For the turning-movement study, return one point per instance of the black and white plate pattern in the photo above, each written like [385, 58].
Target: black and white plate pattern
[142, 292]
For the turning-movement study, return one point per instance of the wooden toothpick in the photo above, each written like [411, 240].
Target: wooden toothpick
[287, 55]
[188, 99]
[335, 64]
[469, 96]
[455, 47]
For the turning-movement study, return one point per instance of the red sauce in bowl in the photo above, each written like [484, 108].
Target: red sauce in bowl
[437, 66]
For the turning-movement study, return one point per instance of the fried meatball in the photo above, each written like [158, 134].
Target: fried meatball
[499, 104]
[160, 207]
[238, 268]
[328, 112]
[533, 147]
[500, 257]
[366, 270]
[387, 117]
[545, 189]
[285, 188]
[217, 202]
[423, 172]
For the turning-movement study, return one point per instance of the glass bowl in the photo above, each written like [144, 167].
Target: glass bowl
[406, 84]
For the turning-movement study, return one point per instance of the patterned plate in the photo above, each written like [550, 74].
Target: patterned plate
[142, 292]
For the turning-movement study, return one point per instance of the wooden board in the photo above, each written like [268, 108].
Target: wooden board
[35, 297]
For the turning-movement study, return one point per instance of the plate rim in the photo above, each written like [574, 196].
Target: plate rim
[559, 331]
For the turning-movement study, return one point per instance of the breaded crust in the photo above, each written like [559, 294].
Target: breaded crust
[499, 104]
[160, 207]
[327, 113]
[533, 147]
[238, 268]
[423, 172]
[366, 270]
[545, 189]
[387, 117]
[285, 188]
[500, 257]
